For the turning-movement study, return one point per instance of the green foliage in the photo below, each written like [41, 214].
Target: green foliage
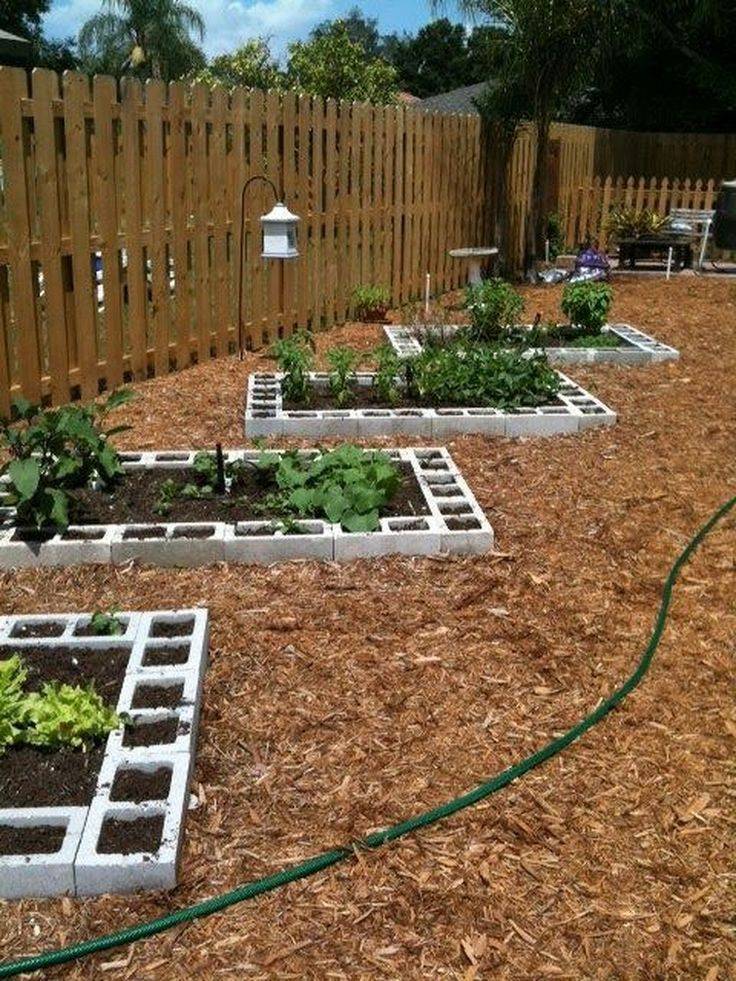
[54, 451]
[554, 234]
[347, 486]
[59, 715]
[12, 701]
[388, 373]
[251, 66]
[623, 222]
[587, 304]
[67, 715]
[333, 66]
[494, 305]
[294, 357]
[343, 362]
[367, 301]
[594, 340]
[105, 623]
[474, 374]
[145, 38]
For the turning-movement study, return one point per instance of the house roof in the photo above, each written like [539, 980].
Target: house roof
[457, 100]
[13, 47]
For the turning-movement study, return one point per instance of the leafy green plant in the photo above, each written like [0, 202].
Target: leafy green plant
[294, 357]
[587, 304]
[58, 715]
[342, 361]
[106, 623]
[594, 340]
[347, 486]
[623, 222]
[554, 234]
[67, 715]
[169, 491]
[12, 701]
[494, 306]
[54, 451]
[474, 374]
[388, 374]
[370, 302]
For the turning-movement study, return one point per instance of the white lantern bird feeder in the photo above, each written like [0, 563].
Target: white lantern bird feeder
[278, 239]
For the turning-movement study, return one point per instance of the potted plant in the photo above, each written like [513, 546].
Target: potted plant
[371, 303]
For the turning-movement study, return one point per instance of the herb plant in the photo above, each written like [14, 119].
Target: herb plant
[54, 451]
[388, 374]
[369, 302]
[587, 304]
[481, 375]
[294, 357]
[347, 486]
[58, 715]
[105, 623]
[343, 361]
[494, 306]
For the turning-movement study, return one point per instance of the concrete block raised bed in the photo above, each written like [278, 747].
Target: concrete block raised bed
[573, 411]
[636, 347]
[166, 648]
[198, 543]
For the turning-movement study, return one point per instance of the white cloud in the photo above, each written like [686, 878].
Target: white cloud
[228, 22]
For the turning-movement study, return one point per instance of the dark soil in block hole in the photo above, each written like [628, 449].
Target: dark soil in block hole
[130, 837]
[154, 657]
[34, 777]
[134, 499]
[367, 397]
[157, 696]
[162, 732]
[167, 628]
[69, 665]
[45, 628]
[32, 839]
[462, 523]
[87, 630]
[139, 785]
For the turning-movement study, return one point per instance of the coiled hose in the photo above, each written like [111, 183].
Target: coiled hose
[320, 862]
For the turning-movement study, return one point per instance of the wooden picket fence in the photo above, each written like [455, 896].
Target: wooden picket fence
[120, 215]
[585, 209]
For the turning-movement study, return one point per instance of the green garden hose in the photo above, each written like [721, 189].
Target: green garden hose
[326, 859]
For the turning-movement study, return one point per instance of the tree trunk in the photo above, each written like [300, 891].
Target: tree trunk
[535, 225]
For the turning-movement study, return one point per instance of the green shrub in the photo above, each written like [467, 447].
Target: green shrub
[473, 374]
[294, 357]
[586, 305]
[54, 451]
[347, 486]
[494, 306]
[623, 222]
[343, 362]
[369, 301]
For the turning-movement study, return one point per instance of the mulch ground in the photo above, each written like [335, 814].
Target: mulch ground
[341, 698]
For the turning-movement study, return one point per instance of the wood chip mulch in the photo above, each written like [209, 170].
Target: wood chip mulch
[342, 698]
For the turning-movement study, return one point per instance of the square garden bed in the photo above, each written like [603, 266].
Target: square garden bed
[633, 347]
[109, 818]
[572, 410]
[432, 511]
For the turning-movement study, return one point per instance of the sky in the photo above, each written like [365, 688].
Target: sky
[230, 22]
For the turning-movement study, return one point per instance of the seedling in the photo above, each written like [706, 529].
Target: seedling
[105, 623]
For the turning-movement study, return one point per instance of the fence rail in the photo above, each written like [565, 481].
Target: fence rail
[119, 214]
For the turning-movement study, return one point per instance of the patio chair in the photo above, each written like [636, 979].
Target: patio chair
[693, 221]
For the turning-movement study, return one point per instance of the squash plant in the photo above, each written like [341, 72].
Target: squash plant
[54, 451]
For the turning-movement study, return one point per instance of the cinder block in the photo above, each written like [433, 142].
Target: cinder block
[243, 546]
[398, 536]
[538, 424]
[184, 738]
[42, 874]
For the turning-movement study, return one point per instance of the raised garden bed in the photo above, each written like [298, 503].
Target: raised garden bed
[109, 818]
[633, 346]
[572, 410]
[432, 511]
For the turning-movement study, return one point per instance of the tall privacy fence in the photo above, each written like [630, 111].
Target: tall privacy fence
[120, 216]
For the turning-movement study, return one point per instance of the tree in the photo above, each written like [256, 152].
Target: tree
[361, 30]
[333, 66]
[545, 57]
[251, 65]
[434, 60]
[149, 38]
[23, 17]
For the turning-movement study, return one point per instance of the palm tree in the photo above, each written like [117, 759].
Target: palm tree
[152, 38]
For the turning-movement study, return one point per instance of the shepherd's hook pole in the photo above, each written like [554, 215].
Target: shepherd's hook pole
[266, 180]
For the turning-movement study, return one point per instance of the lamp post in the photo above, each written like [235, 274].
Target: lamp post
[278, 239]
